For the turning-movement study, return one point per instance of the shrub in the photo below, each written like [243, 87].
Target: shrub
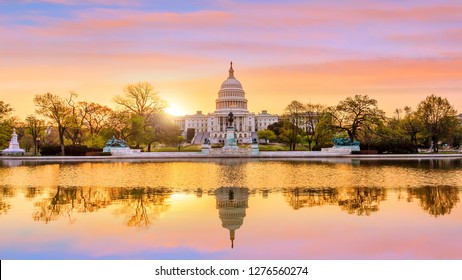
[50, 150]
[55, 150]
[98, 154]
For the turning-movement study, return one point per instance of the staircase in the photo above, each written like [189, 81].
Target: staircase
[197, 138]
[200, 137]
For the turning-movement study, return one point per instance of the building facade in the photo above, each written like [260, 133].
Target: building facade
[231, 98]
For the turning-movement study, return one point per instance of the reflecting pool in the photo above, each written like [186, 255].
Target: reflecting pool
[231, 209]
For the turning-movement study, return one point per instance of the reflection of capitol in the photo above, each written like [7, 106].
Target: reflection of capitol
[231, 205]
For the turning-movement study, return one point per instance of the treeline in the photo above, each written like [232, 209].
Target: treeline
[432, 125]
[141, 121]
[69, 122]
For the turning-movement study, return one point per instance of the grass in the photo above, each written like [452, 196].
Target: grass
[190, 148]
[280, 147]
[272, 147]
[263, 147]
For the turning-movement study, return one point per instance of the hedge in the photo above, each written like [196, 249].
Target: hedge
[69, 150]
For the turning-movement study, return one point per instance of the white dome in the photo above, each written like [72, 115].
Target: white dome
[231, 96]
[231, 82]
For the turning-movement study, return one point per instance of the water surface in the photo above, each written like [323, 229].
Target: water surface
[231, 209]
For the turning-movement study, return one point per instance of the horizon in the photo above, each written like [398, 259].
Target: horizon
[396, 53]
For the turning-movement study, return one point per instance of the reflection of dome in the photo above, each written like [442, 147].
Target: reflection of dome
[231, 205]
[231, 96]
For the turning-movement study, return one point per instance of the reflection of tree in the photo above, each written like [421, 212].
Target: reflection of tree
[436, 200]
[55, 206]
[362, 200]
[142, 204]
[299, 198]
[91, 199]
[32, 192]
[65, 201]
[5, 192]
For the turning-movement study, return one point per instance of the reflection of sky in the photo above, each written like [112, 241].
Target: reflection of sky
[191, 229]
[182, 226]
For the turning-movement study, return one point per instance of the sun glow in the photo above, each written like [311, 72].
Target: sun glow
[174, 110]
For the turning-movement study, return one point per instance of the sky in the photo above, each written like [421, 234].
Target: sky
[397, 52]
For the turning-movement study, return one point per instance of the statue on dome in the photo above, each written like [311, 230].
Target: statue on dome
[231, 70]
[230, 119]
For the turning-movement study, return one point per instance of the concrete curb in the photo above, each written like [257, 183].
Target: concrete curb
[263, 155]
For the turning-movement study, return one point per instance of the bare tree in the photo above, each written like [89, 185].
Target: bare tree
[120, 122]
[76, 119]
[5, 110]
[144, 105]
[96, 116]
[313, 114]
[294, 113]
[141, 99]
[56, 109]
[35, 126]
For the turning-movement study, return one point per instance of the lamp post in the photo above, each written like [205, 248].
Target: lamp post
[37, 146]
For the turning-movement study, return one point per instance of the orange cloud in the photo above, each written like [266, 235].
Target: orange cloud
[282, 52]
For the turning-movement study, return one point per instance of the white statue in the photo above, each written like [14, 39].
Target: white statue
[13, 148]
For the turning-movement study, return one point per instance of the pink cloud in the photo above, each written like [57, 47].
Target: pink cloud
[84, 2]
[298, 49]
[453, 36]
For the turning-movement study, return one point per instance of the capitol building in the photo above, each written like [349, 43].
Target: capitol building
[231, 98]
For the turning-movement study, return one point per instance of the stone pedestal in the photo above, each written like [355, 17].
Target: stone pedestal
[340, 149]
[206, 149]
[121, 151]
[254, 150]
[230, 142]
